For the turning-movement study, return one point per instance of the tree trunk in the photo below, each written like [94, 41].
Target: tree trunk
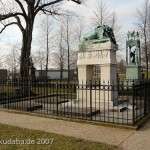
[47, 53]
[61, 70]
[146, 67]
[26, 42]
[145, 43]
[25, 54]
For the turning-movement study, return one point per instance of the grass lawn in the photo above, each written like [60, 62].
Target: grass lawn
[10, 91]
[44, 141]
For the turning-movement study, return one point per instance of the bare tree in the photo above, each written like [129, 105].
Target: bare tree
[46, 38]
[2, 61]
[39, 59]
[79, 28]
[68, 36]
[143, 16]
[59, 56]
[101, 15]
[121, 66]
[13, 60]
[23, 13]
[73, 58]
[115, 25]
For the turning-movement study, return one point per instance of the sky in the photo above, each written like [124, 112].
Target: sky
[126, 15]
[125, 9]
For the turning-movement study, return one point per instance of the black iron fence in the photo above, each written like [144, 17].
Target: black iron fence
[141, 100]
[124, 103]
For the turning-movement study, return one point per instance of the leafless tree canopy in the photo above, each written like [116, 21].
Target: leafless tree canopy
[46, 41]
[143, 24]
[22, 13]
[121, 66]
[79, 28]
[39, 59]
[102, 15]
[12, 60]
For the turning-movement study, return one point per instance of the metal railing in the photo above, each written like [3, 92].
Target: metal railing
[125, 103]
[141, 100]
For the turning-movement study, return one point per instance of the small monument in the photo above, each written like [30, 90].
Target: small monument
[31, 68]
[98, 48]
[133, 56]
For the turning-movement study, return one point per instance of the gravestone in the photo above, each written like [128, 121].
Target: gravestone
[98, 48]
[133, 56]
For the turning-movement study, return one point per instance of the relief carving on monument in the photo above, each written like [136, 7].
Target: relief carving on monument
[93, 55]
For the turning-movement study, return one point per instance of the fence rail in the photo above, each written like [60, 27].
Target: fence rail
[69, 99]
[141, 100]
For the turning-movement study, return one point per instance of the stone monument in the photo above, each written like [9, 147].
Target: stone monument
[133, 56]
[31, 68]
[98, 48]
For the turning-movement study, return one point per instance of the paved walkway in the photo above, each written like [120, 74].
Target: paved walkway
[125, 139]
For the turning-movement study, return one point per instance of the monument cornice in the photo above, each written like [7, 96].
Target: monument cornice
[90, 46]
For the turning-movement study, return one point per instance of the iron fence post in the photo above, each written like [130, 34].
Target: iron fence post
[29, 90]
[90, 100]
[57, 96]
[133, 103]
[8, 95]
[145, 88]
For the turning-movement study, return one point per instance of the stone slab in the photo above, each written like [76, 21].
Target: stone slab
[23, 105]
[51, 100]
[75, 111]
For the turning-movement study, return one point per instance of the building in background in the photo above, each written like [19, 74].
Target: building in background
[13, 75]
[3, 73]
[54, 74]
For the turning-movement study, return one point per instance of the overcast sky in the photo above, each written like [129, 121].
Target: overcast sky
[125, 9]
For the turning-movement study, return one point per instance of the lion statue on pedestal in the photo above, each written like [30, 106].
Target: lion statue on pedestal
[101, 34]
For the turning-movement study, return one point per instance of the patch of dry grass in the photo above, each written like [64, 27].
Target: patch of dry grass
[39, 140]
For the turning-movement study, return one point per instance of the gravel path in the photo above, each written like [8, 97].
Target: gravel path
[125, 139]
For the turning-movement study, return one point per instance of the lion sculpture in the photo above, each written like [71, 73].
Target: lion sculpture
[101, 34]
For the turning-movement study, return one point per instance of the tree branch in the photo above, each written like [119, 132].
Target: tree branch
[45, 5]
[26, 1]
[7, 26]
[22, 8]
[37, 4]
[9, 15]
[77, 1]
[45, 11]
[51, 3]
[19, 24]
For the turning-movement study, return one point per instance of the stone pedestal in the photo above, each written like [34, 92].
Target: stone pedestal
[133, 72]
[85, 74]
[103, 54]
[108, 74]
[97, 98]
